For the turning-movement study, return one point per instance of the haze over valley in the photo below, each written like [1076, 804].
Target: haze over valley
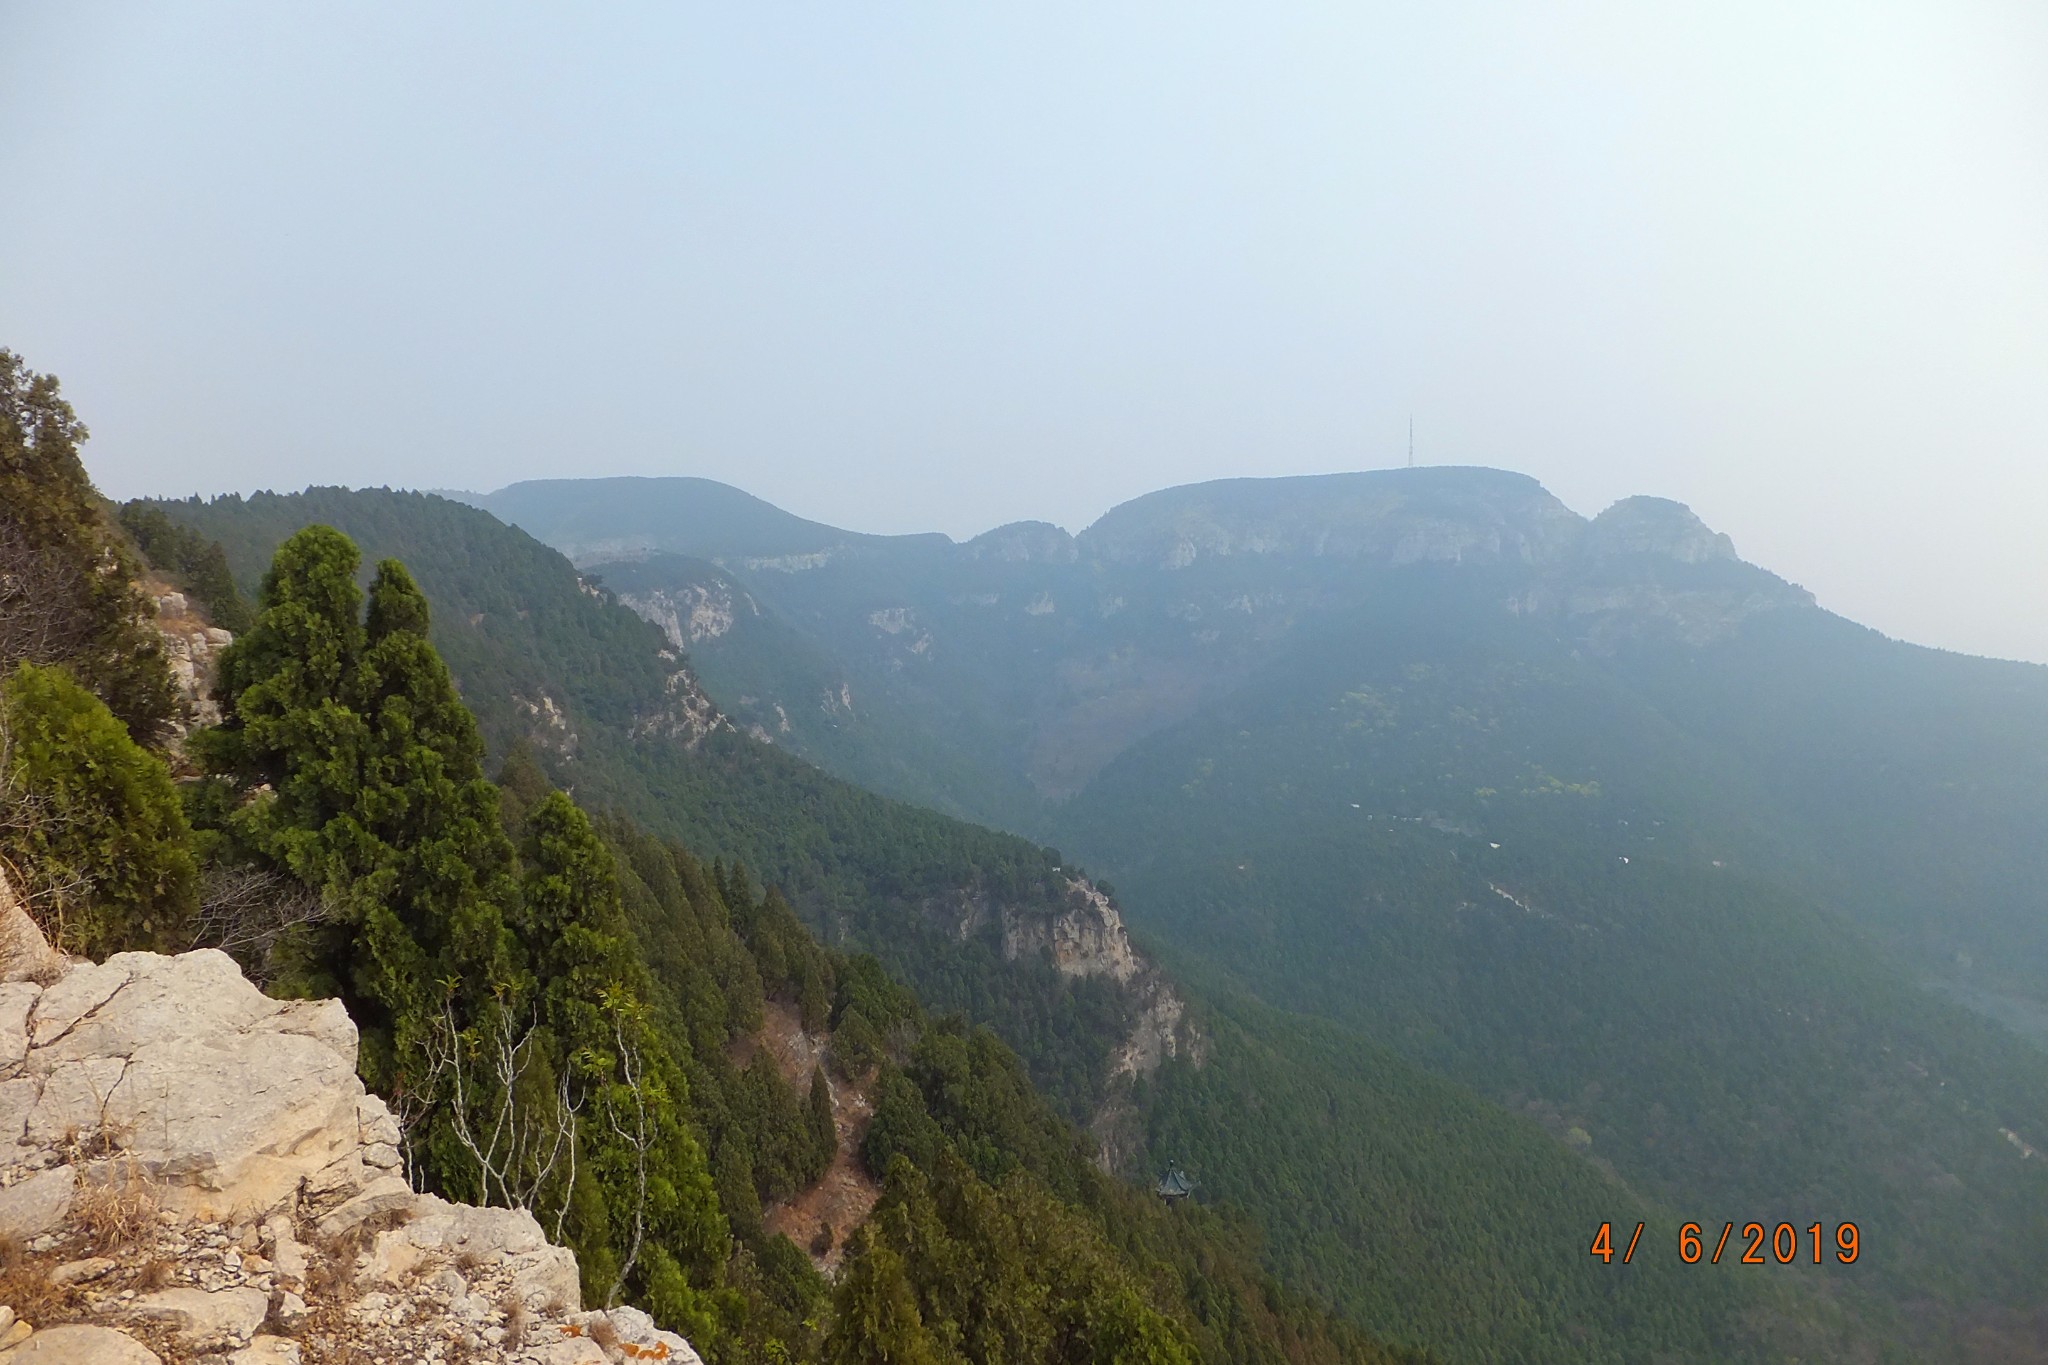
[1024, 685]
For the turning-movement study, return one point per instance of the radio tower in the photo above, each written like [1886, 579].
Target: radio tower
[1411, 441]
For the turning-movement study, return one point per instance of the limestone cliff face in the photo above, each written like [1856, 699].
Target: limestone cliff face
[1650, 568]
[692, 612]
[1085, 938]
[193, 646]
[162, 1112]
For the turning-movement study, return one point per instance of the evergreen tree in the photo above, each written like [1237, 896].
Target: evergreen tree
[876, 1310]
[628, 1089]
[198, 564]
[377, 798]
[66, 575]
[824, 1131]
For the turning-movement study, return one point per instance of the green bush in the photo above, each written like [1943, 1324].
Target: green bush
[93, 825]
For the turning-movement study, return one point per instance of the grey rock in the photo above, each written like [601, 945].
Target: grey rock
[26, 957]
[227, 1314]
[35, 1206]
[289, 1310]
[547, 1280]
[287, 1255]
[635, 1328]
[78, 1272]
[229, 1097]
[268, 1351]
[82, 990]
[81, 1345]
[380, 1196]
[17, 998]
[568, 1351]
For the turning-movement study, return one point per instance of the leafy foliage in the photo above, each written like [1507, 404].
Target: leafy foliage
[90, 822]
[66, 594]
[500, 1001]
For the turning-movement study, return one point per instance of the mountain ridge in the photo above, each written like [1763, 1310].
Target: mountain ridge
[718, 522]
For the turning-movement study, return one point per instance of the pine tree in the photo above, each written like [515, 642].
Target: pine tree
[824, 1130]
[629, 1091]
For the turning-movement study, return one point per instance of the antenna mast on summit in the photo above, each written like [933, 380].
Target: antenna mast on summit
[1411, 442]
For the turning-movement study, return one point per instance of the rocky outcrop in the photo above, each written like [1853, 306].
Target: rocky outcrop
[1087, 938]
[686, 715]
[193, 1171]
[547, 725]
[193, 647]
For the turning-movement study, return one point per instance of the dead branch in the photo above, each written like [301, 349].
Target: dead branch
[518, 1147]
[244, 911]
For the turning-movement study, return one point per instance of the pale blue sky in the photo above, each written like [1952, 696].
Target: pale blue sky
[907, 267]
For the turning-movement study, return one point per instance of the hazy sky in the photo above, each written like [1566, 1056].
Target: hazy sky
[907, 267]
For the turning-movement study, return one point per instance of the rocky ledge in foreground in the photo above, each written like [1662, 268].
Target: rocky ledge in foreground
[191, 1172]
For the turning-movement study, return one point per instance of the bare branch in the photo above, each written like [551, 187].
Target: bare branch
[518, 1147]
[638, 1136]
[244, 911]
[40, 592]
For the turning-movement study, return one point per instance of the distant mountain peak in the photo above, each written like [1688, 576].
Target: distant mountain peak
[1443, 514]
[1024, 542]
[1657, 526]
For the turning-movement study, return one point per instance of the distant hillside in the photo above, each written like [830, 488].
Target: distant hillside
[1504, 1208]
[1588, 814]
[582, 518]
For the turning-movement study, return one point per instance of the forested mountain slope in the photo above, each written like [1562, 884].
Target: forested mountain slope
[557, 1013]
[1900, 781]
[905, 884]
[1589, 815]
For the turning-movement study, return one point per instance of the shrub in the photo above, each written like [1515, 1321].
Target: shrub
[92, 821]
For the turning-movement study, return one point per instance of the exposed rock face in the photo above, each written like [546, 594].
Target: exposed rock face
[687, 716]
[692, 612]
[232, 1099]
[1088, 939]
[225, 1135]
[193, 647]
[548, 725]
[1085, 938]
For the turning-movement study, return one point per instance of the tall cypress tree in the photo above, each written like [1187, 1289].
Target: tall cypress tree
[375, 795]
